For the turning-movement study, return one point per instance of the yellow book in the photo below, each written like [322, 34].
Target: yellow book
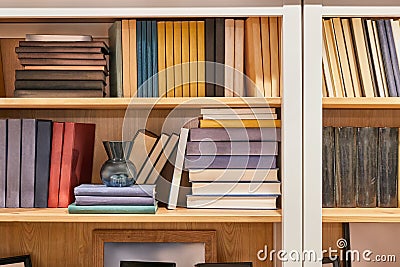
[201, 74]
[274, 46]
[126, 80]
[169, 58]
[185, 58]
[193, 58]
[240, 123]
[265, 44]
[178, 58]
[162, 73]
[327, 68]
[132, 57]
[229, 56]
[238, 76]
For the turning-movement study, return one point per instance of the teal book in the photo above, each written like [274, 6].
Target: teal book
[115, 34]
[144, 60]
[149, 60]
[74, 209]
[139, 57]
[154, 48]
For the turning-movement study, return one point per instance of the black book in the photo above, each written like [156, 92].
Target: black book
[3, 162]
[210, 56]
[59, 85]
[146, 264]
[345, 167]
[328, 167]
[63, 75]
[42, 170]
[367, 169]
[388, 167]
[220, 56]
[228, 264]
[393, 54]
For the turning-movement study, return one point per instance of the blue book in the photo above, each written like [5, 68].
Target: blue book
[149, 60]
[393, 54]
[144, 59]
[139, 57]
[74, 209]
[154, 46]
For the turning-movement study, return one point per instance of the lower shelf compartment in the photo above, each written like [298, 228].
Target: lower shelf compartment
[332, 215]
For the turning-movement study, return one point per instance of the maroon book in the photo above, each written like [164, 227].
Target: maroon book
[55, 164]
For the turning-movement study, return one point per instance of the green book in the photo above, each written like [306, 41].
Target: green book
[74, 209]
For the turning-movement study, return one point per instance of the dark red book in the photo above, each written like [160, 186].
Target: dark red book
[55, 163]
[77, 160]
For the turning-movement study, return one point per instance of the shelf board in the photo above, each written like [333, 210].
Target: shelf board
[361, 102]
[163, 215]
[333, 215]
[137, 103]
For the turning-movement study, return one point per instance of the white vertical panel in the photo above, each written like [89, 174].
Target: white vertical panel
[292, 132]
[312, 133]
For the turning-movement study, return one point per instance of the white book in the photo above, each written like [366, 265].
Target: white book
[236, 111]
[257, 116]
[222, 189]
[168, 148]
[177, 176]
[58, 38]
[232, 202]
[143, 142]
[233, 175]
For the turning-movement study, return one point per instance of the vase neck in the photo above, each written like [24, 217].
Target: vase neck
[118, 150]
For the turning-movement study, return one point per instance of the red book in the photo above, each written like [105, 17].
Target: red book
[55, 164]
[77, 160]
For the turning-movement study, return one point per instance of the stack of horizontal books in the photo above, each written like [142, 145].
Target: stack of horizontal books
[61, 66]
[234, 167]
[136, 199]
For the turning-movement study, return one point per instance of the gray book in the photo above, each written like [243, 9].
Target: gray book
[13, 163]
[3, 162]
[235, 134]
[230, 162]
[28, 159]
[121, 201]
[393, 54]
[232, 148]
[115, 33]
[102, 190]
[328, 167]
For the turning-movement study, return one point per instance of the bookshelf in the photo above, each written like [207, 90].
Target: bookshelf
[53, 235]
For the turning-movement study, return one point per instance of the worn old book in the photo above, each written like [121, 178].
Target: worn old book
[98, 44]
[143, 143]
[60, 49]
[42, 164]
[58, 93]
[13, 163]
[210, 56]
[125, 50]
[238, 83]
[230, 162]
[55, 164]
[233, 175]
[185, 59]
[146, 264]
[253, 56]
[222, 189]
[367, 169]
[169, 59]
[265, 116]
[178, 58]
[237, 111]
[193, 58]
[388, 167]
[328, 167]
[28, 159]
[62, 62]
[133, 71]
[77, 159]
[231, 148]
[239, 123]
[266, 52]
[58, 38]
[113, 200]
[111, 209]
[58, 85]
[275, 64]
[229, 56]
[69, 68]
[116, 72]
[82, 56]
[63, 75]
[232, 202]
[345, 167]
[105, 191]
[235, 134]
[3, 162]
[201, 74]
[162, 74]
[219, 57]
[393, 54]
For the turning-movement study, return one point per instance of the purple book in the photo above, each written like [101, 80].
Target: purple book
[235, 134]
[102, 190]
[120, 201]
[28, 159]
[230, 162]
[231, 148]
[393, 54]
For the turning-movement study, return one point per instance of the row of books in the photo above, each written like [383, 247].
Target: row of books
[42, 161]
[361, 57]
[61, 66]
[360, 167]
[153, 58]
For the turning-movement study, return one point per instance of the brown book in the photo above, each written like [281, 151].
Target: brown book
[60, 49]
[253, 57]
[126, 78]
[162, 73]
[102, 68]
[58, 93]
[169, 60]
[185, 59]
[178, 58]
[2, 86]
[60, 56]
[274, 46]
[63, 62]
[229, 56]
[238, 83]
[63, 75]
[59, 85]
[201, 74]
[266, 52]
[97, 44]
[193, 58]
[133, 57]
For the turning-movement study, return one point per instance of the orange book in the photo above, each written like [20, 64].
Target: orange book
[193, 58]
[253, 54]
[238, 76]
[126, 78]
[201, 74]
[162, 73]
[169, 58]
[55, 164]
[266, 55]
[132, 57]
[274, 46]
[229, 56]
[185, 58]
[178, 58]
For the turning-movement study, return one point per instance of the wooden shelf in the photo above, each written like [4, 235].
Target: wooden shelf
[361, 103]
[335, 215]
[137, 103]
[163, 215]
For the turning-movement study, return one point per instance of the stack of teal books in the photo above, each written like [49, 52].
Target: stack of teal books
[99, 199]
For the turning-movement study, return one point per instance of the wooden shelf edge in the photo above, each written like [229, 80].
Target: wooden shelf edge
[163, 215]
[137, 103]
[361, 103]
[338, 215]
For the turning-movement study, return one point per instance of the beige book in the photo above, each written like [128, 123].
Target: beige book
[375, 59]
[133, 57]
[162, 73]
[126, 84]
[185, 58]
[380, 57]
[142, 141]
[327, 67]
[343, 58]
[274, 45]
[361, 52]
[348, 39]
[265, 43]
[238, 75]
[178, 58]
[193, 58]
[169, 58]
[333, 58]
[229, 56]
[396, 36]
[201, 74]
[324, 89]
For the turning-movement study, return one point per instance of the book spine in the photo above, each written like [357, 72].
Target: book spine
[169, 60]
[149, 58]
[369, 37]
[238, 75]
[193, 59]
[3, 162]
[185, 59]
[59, 85]
[210, 56]
[201, 74]
[63, 75]
[231, 148]
[144, 59]
[139, 58]
[328, 167]
[154, 48]
[162, 73]
[99, 190]
[28, 153]
[235, 134]
[393, 54]
[74, 209]
[219, 57]
[367, 169]
[118, 201]
[178, 58]
[230, 162]
[55, 164]
[345, 167]
[388, 167]
[13, 163]
[64, 195]
[115, 59]
[133, 58]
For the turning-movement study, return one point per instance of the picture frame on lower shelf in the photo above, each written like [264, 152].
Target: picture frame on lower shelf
[327, 261]
[17, 261]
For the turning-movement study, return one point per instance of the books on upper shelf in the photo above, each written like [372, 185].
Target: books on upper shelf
[361, 57]
[360, 167]
[61, 66]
